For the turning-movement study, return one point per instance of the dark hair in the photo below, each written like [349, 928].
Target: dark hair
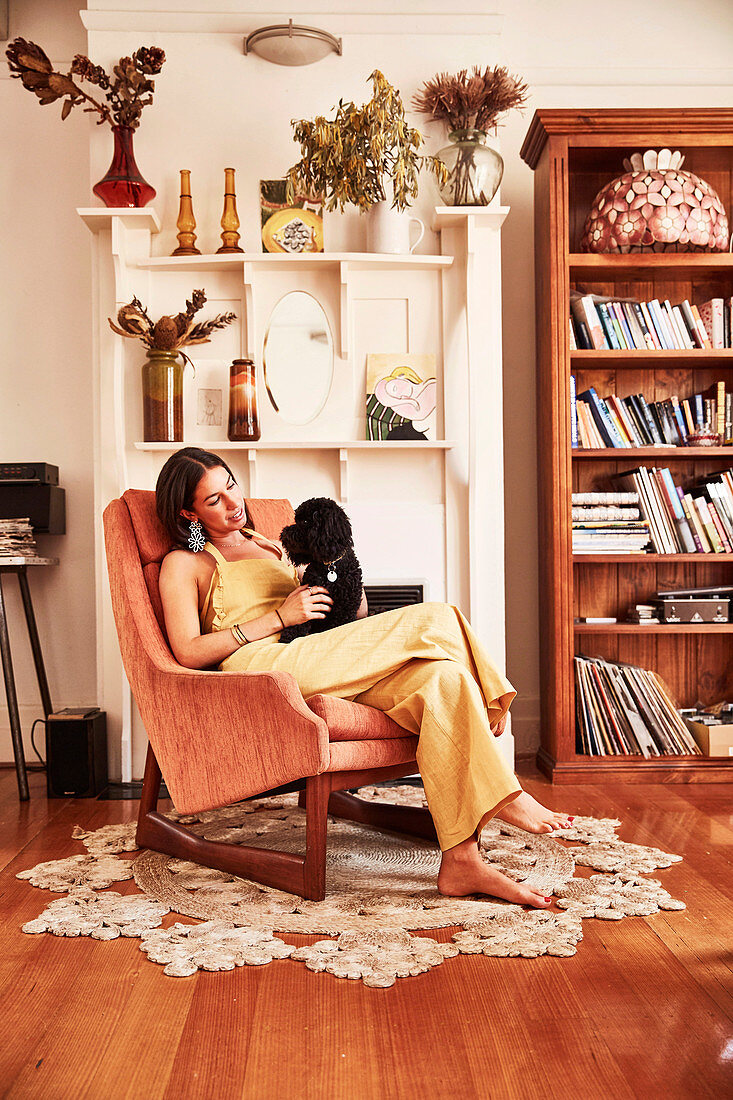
[176, 488]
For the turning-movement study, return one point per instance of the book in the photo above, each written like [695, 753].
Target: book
[711, 313]
[622, 326]
[679, 418]
[685, 335]
[651, 326]
[612, 405]
[605, 425]
[688, 516]
[702, 331]
[691, 323]
[707, 521]
[584, 311]
[651, 426]
[718, 524]
[662, 325]
[644, 326]
[697, 524]
[669, 489]
[573, 414]
[608, 326]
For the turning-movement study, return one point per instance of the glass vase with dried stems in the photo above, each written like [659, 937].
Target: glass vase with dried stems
[470, 104]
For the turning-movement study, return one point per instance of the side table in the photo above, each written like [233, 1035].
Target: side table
[19, 566]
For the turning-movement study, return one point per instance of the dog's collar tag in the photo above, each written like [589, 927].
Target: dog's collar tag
[332, 574]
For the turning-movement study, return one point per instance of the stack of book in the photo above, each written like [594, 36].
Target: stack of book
[623, 710]
[642, 613]
[605, 324]
[608, 523]
[611, 421]
[16, 539]
[697, 521]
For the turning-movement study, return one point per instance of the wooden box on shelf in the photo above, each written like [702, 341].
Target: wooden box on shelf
[574, 153]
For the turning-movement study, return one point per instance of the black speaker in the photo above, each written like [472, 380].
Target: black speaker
[44, 505]
[76, 752]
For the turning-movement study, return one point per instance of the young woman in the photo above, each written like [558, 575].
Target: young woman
[227, 592]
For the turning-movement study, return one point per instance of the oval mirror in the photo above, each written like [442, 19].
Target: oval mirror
[298, 358]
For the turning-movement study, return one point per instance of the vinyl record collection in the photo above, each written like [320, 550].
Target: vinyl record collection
[623, 710]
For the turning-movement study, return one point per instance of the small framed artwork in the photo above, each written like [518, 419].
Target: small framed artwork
[210, 408]
[401, 396]
[296, 227]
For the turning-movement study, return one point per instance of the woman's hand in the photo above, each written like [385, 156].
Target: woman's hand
[305, 602]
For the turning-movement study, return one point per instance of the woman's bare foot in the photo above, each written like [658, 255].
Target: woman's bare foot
[463, 872]
[527, 813]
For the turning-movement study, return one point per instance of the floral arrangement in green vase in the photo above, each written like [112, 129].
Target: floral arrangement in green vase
[349, 158]
[470, 104]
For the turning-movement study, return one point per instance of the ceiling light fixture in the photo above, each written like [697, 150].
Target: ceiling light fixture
[290, 44]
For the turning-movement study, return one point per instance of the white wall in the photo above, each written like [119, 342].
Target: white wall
[46, 366]
[215, 109]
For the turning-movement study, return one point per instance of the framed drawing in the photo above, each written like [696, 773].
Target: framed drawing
[401, 396]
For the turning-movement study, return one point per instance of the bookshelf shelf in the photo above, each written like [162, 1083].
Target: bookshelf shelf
[650, 265]
[681, 454]
[719, 358]
[653, 559]
[635, 769]
[654, 628]
[573, 155]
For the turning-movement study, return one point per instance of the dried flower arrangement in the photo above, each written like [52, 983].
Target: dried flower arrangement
[471, 102]
[169, 333]
[348, 159]
[127, 90]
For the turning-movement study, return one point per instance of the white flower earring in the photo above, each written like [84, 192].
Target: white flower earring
[196, 540]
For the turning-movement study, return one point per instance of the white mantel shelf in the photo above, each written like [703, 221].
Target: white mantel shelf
[310, 444]
[304, 261]
[252, 447]
[99, 218]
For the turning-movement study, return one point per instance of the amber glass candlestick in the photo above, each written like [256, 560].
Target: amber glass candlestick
[186, 222]
[244, 422]
[229, 219]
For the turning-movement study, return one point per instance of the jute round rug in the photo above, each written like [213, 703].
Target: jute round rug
[379, 887]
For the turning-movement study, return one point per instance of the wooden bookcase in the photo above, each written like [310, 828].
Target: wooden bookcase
[574, 154]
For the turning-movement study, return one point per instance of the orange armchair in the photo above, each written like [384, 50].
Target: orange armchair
[220, 737]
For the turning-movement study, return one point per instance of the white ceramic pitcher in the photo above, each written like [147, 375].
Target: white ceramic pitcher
[388, 230]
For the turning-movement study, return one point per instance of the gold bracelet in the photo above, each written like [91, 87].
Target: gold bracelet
[279, 617]
[239, 634]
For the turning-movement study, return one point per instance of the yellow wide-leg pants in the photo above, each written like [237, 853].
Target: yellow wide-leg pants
[424, 666]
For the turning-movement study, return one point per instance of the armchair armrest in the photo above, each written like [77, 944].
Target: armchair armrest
[223, 736]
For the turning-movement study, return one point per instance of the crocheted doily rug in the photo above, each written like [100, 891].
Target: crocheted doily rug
[379, 887]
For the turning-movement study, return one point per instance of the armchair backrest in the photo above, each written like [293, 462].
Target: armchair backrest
[149, 544]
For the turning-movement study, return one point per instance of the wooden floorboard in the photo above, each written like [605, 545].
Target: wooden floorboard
[644, 1009]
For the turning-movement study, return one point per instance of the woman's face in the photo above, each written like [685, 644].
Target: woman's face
[218, 503]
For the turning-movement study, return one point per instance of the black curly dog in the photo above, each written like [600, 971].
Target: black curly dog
[321, 538]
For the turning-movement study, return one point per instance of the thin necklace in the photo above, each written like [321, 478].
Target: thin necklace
[238, 543]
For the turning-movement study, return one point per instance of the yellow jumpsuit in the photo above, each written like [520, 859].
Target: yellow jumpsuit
[422, 665]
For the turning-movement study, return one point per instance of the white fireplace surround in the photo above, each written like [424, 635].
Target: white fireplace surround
[432, 510]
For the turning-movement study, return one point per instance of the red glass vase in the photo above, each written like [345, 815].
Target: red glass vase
[123, 185]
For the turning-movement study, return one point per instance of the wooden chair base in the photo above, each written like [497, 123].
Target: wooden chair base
[302, 875]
